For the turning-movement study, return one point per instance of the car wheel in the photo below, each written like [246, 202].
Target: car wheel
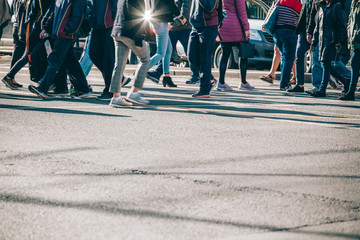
[217, 57]
[308, 61]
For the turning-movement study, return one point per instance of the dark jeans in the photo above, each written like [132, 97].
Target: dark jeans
[226, 48]
[102, 54]
[285, 40]
[201, 47]
[355, 68]
[63, 56]
[301, 48]
[326, 67]
[18, 65]
[183, 37]
[19, 49]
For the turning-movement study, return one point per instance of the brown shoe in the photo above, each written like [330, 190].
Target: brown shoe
[268, 78]
[9, 83]
[17, 84]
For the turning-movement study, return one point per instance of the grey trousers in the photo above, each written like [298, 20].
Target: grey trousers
[122, 47]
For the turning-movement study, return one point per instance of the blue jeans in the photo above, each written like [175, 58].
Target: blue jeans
[85, 61]
[355, 68]
[183, 37]
[200, 49]
[302, 47]
[63, 55]
[316, 69]
[164, 47]
[326, 68]
[285, 40]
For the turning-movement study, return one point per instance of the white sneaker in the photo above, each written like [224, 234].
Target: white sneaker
[119, 102]
[135, 97]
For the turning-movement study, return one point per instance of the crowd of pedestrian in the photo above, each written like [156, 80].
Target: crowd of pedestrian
[45, 30]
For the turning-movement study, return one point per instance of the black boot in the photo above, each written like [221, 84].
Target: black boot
[167, 82]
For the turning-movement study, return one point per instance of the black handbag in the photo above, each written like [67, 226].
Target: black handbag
[246, 49]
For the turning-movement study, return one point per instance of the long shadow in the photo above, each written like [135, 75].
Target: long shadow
[58, 110]
[111, 207]
[236, 113]
[40, 153]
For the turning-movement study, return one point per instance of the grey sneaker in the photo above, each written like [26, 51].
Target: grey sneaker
[246, 86]
[119, 102]
[223, 87]
[135, 97]
[213, 84]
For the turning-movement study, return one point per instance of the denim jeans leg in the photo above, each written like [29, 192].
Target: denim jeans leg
[355, 68]
[167, 58]
[55, 60]
[207, 36]
[162, 38]
[288, 49]
[316, 69]
[301, 48]
[326, 66]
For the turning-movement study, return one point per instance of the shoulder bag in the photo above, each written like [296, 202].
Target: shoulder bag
[246, 49]
[270, 20]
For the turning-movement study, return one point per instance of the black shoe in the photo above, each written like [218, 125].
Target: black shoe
[167, 82]
[348, 97]
[80, 95]
[296, 88]
[125, 81]
[9, 83]
[285, 88]
[105, 96]
[153, 76]
[318, 94]
[17, 84]
[36, 91]
[200, 94]
[193, 80]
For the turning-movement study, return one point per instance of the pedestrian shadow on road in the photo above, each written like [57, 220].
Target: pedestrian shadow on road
[113, 208]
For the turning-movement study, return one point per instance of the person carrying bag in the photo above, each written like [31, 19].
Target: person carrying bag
[234, 32]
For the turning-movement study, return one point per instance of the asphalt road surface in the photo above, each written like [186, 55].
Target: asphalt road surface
[259, 164]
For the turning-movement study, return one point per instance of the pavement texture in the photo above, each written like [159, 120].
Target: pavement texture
[261, 164]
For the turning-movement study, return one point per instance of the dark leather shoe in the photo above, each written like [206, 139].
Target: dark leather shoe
[348, 97]
[296, 88]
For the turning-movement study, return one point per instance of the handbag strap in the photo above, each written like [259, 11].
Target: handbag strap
[242, 27]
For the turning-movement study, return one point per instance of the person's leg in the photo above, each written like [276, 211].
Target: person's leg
[207, 38]
[18, 65]
[193, 49]
[162, 38]
[76, 74]
[85, 61]
[60, 80]
[167, 58]
[275, 62]
[121, 54]
[243, 64]
[226, 51]
[19, 49]
[326, 66]
[316, 69]
[55, 60]
[108, 58]
[287, 50]
[301, 48]
[355, 67]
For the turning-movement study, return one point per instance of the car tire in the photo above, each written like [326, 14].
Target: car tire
[308, 61]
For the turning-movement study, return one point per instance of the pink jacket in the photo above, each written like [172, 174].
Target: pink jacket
[231, 30]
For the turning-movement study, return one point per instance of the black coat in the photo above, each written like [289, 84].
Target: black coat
[330, 30]
[304, 17]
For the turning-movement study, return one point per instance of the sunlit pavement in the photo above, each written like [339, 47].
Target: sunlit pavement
[261, 164]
